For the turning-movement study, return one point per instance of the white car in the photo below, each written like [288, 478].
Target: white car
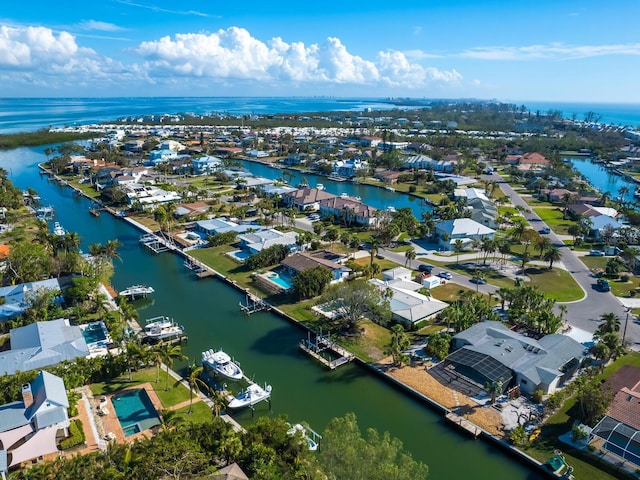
[445, 275]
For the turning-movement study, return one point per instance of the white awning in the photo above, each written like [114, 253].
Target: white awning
[10, 437]
[42, 443]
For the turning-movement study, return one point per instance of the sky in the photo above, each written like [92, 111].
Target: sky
[518, 50]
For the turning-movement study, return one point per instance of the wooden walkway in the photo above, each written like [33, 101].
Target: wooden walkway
[465, 424]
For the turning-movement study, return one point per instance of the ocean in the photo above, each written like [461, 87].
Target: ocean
[30, 114]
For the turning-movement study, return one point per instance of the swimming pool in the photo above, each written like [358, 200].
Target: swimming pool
[240, 255]
[135, 411]
[94, 333]
[280, 279]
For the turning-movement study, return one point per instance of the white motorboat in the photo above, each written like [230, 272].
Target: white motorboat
[45, 213]
[311, 441]
[59, 229]
[320, 186]
[161, 328]
[391, 209]
[251, 395]
[135, 291]
[222, 364]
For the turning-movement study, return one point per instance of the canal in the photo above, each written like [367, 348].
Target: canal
[266, 345]
[603, 179]
[376, 197]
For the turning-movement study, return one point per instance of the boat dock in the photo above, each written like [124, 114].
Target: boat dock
[157, 244]
[463, 423]
[200, 269]
[253, 304]
[320, 344]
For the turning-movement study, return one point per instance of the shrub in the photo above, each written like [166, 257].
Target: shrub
[578, 433]
[536, 396]
[412, 188]
[76, 436]
[624, 278]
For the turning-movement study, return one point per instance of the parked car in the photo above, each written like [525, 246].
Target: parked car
[603, 285]
[445, 275]
[545, 230]
[479, 281]
[596, 253]
[423, 267]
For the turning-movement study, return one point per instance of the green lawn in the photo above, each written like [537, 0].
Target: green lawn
[200, 413]
[177, 393]
[557, 283]
[372, 345]
[553, 218]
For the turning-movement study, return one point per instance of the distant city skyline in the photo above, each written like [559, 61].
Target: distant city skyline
[571, 51]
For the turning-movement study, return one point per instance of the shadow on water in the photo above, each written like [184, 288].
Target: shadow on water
[342, 374]
[281, 341]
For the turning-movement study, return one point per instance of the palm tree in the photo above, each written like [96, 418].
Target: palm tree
[610, 324]
[542, 244]
[525, 257]
[71, 241]
[195, 382]
[110, 249]
[458, 246]
[220, 401]
[171, 354]
[552, 254]
[374, 247]
[409, 255]
[170, 418]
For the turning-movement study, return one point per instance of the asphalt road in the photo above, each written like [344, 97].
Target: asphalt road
[583, 314]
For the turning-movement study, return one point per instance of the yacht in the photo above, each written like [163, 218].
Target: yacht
[251, 395]
[391, 189]
[161, 328]
[59, 230]
[320, 186]
[222, 364]
[391, 209]
[136, 291]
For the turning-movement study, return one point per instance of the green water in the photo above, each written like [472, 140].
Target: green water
[266, 345]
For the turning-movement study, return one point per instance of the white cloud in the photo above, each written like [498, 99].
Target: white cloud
[156, 8]
[234, 54]
[98, 25]
[555, 51]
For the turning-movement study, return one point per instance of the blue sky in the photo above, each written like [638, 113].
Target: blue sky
[581, 51]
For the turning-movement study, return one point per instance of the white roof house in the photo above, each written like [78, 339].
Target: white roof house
[407, 305]
[464, 229]
[42, 344]
[255, 242]
[397, 273]
[149, 195]
[470, 193]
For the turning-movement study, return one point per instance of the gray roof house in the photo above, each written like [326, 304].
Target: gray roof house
[28, 427]
[255, 242]
[42, 344]
[490, 352]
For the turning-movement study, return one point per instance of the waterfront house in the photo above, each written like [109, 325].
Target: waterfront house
[619, 430]
[206, 164]
[149, 196]
[299, 262]
[388, 177]
[407, 305]
[488, 352]
[221, 225]
[254, 242]
[469, 194]
[28, 427]
[306, 198]
[17, 298]
[192, 209]
[349, 168]
[424, 162]
[465, 229]
[349, 211]
[42, 344]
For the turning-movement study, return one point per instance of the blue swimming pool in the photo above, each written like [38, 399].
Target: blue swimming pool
[135, 411]
[94, 333]
[280, 278]
[240, 255]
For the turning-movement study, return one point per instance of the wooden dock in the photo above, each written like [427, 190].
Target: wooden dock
[156, 243]
[320, 344]
[196, 266]
[465, 424]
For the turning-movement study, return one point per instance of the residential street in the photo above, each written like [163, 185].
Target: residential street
[583, 314]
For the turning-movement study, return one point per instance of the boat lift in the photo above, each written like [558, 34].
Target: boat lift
[253, 304]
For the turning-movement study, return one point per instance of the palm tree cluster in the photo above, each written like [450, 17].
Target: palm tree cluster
[607, 337]
[469, 309]
[530, 308]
